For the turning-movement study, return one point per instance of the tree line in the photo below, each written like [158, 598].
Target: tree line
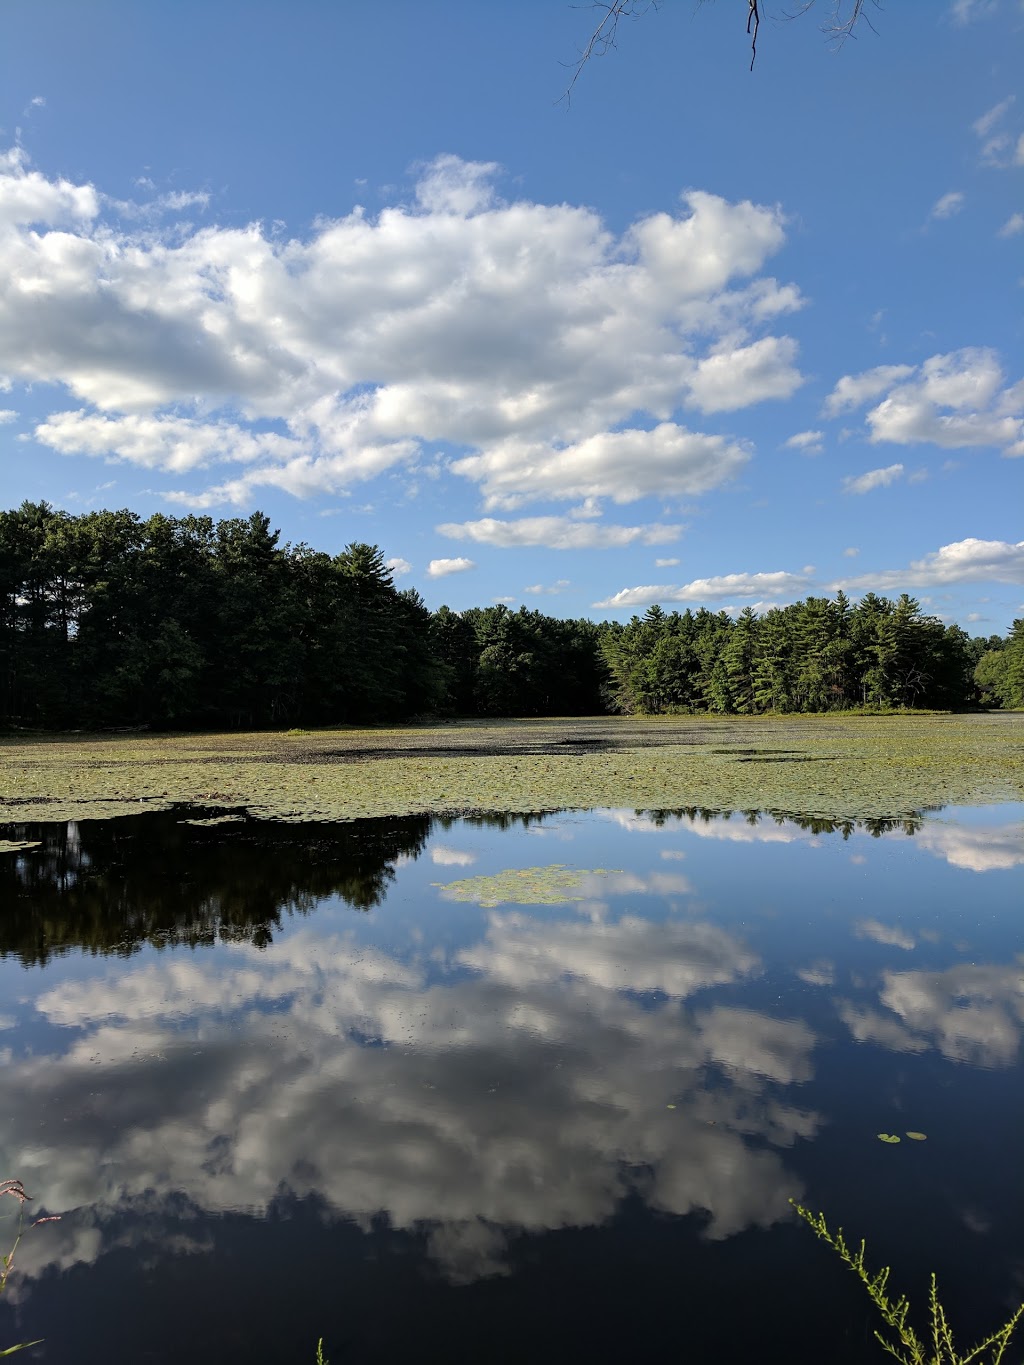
[821, 654]
[109, 620]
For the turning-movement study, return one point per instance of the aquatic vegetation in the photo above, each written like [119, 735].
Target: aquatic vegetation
[17, 1191]
[211, 820]
[552, 885]
[862, 766]
[17, 845]
[907, 1347]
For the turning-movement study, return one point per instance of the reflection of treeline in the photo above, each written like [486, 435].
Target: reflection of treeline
[109, 620]
[110, 886]
[876, 826]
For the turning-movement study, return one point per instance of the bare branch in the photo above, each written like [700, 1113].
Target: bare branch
[604, 35]
[843, 18]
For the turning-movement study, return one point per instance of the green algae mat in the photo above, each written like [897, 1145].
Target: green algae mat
[853, 766]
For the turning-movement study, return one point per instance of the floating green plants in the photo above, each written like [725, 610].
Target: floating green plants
[17, 845]
[552, 885]
[215, 820]
[875, 767]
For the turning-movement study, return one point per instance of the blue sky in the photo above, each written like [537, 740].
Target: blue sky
[700, 336]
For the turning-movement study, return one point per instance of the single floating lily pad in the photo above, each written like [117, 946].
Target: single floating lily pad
[888, 1137]
[17, 845]
[553, 885]
[917, 1137]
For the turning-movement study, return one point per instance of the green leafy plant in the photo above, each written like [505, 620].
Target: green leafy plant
[908, 1348]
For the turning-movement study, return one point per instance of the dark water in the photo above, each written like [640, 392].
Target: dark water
[279, 1083]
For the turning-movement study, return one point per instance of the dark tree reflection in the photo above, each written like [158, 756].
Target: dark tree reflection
[109, 886]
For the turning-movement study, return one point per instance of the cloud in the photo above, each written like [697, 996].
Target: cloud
[680, 1107]
[7, 415]
[557, 533]
[948, 205]
[767, 585]
[538, 589]
[1013, 225]
[874, 478]
[851, 551]
[733, 378]
[890, 935]
[853, 390]
[29, 201]
[953, 400]
[983, 126]
[450, 857]
[665, 563]
[964, 561]
[449, 185]
[440, 568]
[551, 352]
[972, 1012]
[977, 848]
[810, 442]
[622, 465]
[398, 566]
[997, 148]
[179, 444]
[968, 11]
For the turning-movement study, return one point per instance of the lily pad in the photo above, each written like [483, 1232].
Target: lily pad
[888, 1137]
[917, 1137]
[553, 885]
[17, 845]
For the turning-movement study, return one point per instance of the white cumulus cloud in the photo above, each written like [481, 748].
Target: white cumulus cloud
[557, 533]
[955, 400]
[964, 561]
[767, 585]
[527, 335]
[440, 568]
[622, 465]
[853, 390]
[810, 442]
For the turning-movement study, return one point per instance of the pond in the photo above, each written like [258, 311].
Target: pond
[507, 1088]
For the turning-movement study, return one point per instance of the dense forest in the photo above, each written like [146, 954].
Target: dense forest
[107, 620]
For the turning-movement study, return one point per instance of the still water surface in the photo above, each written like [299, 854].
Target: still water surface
[508, 1089]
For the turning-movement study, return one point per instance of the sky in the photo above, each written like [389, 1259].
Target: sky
[695, 335]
